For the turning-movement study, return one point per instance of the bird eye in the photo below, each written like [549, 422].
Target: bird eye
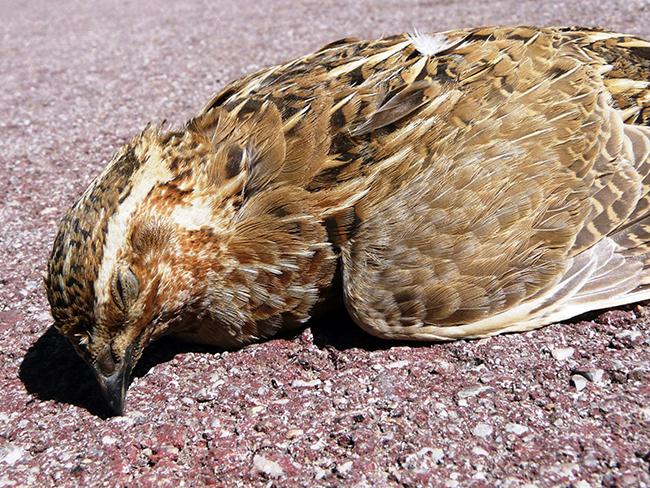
[126, 288]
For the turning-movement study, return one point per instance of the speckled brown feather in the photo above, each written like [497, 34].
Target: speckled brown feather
[472, 182]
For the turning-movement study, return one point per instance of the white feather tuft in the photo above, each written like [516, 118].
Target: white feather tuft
[430, 44]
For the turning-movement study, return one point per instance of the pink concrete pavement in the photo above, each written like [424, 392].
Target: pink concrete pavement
[568, 405]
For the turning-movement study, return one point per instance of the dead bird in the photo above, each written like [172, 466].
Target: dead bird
[467, 183]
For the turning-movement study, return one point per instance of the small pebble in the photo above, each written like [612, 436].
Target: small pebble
[49, 211]
[305, 384]
[593, 375]
[482, 430]
[563, 353]
[479, 451]
[344, 468]
[320, 473]
[108, 440]
[267, 466]
[579, 381]
[437, 454]
[630, 338]
[293, 433]
[13, 454]
[397, 364]
[473, 391]
[516, 429]
[631, 334]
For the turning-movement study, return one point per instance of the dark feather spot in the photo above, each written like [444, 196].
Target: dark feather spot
[443, 75]
[356, 76]
[475, 36]
[125, 194]
[643, 52]
[519, 37]
[413, 55]
[252, 105]
[233, 161]
[72, 281]
[280, 212]
[222, 97]
[341, 226]
[338, 119]
[556, 72]
[341, 143]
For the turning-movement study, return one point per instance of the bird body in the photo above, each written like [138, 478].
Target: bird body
[466, 183]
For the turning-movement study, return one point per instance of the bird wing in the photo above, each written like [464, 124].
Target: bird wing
[512, 198]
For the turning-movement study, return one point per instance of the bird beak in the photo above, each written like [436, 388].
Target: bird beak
[115, 383]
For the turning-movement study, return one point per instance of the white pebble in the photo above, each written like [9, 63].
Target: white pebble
[318, 445]
[631, 334]
[437, 454]
[482, 430]
[305, 384]
[320, 473]
[13, 454]
[593, 375]
[473, 391]
[49, 211]
[516, 429]
[579, 381]
[344, 468]
[266, 466]
[397, 364]
[562, 353]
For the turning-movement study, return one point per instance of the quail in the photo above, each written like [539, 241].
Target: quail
[463, 183]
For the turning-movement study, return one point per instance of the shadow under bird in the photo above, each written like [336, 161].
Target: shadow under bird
[467, 183]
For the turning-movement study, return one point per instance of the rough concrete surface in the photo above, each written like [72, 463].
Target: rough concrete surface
[568, 405]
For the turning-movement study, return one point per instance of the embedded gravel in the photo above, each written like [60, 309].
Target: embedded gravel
[568, 405]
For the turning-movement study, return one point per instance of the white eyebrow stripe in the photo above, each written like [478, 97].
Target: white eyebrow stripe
[151, 173]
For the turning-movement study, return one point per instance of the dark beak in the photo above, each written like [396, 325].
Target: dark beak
[114, 379]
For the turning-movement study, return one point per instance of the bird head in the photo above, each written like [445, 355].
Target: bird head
[183, 229]
[132, 254]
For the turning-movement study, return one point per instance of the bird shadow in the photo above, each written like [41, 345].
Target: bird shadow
[337, 330]
[52, 370]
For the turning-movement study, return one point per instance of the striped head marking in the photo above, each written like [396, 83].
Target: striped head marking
[112, 257]
[169, 232]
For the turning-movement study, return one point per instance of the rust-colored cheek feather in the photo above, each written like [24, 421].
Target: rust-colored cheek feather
[467, 183]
